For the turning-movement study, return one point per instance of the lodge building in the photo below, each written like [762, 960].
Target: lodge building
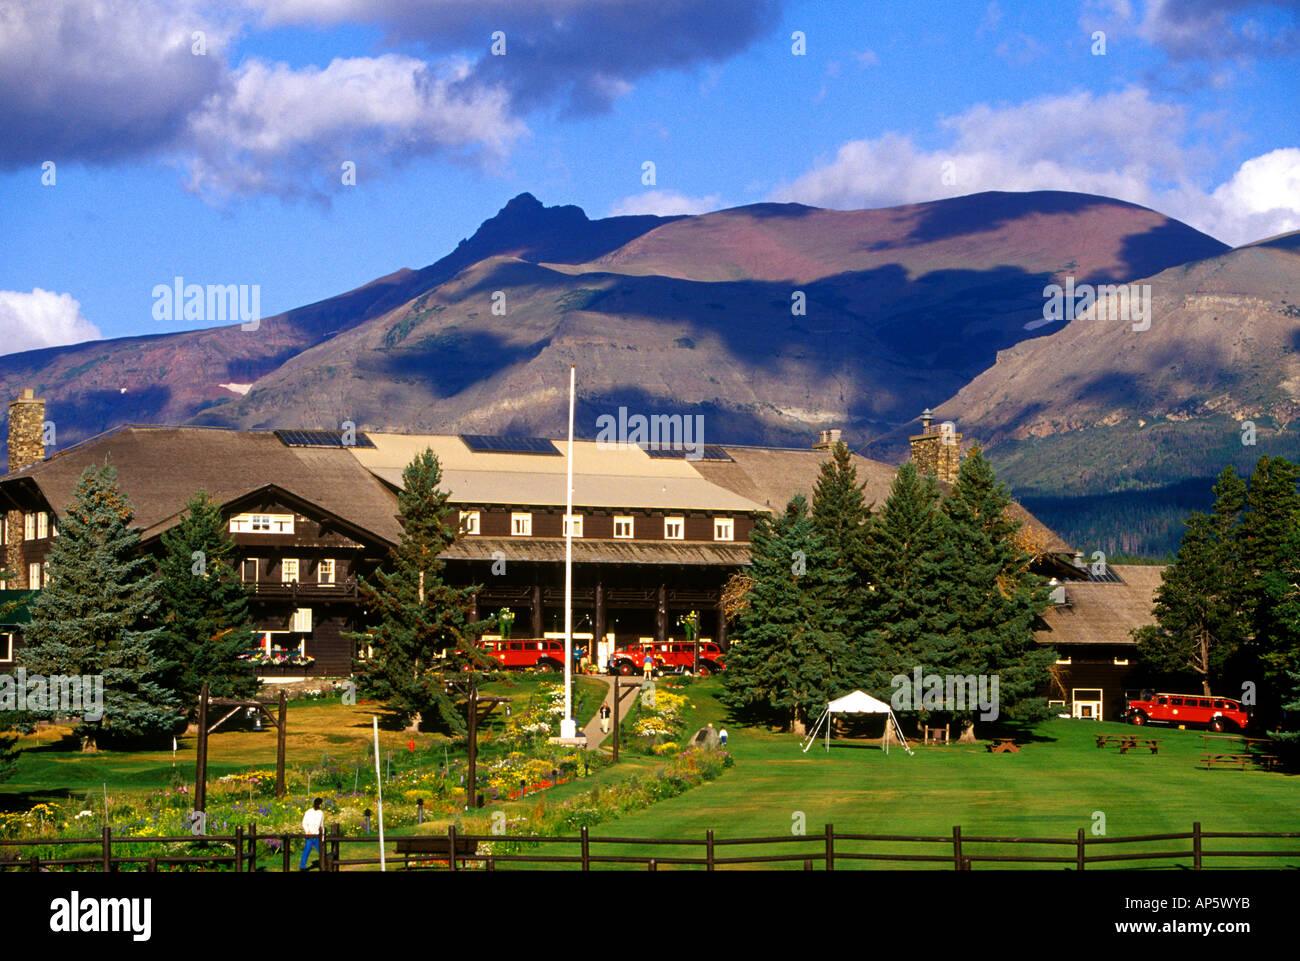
[655, 535]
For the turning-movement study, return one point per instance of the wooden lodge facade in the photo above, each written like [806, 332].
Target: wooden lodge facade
[656, 536]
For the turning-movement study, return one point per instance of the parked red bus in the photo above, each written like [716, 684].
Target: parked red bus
[546, 655]
[676, 657]
[1217, 713]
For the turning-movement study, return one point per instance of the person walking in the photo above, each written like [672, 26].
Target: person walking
[649, 665]
[312, 823]
[604, 718]
[722, 737]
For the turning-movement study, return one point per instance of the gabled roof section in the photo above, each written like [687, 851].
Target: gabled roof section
[1103, 611]
[160, 468]
[603, 475]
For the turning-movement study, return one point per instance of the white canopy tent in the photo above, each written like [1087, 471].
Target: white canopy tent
[857, 703]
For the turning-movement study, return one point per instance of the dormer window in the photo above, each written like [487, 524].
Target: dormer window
[261, 524]
[623, 527]
[674, 528]
[724, 529]
[574, 520]
[469, 522]
[521, 525]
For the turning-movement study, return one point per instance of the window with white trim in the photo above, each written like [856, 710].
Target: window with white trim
[469, 522]
[29, 527]
[33, 576]
[1121, 662]
[724, 529]
[248, 570]
[674, 528]
[301, 624]
[42, 525]
[261, 524]
[6, 647]
[1063, 660]
[289, 570]
[521, 525]
[576, 521]
[623, 526]
[325, 571]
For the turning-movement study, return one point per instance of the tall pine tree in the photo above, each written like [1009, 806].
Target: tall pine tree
[422, 629]
[94, 615]
[842, 517]
[995, 596]
[909, 619]
[204, 612]
[788, 655]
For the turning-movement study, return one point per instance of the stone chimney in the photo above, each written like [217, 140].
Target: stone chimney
[26, 430]
[937, 449]
[827, 439]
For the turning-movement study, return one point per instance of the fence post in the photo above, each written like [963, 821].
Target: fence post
[284, 847]
[830, 847]
[652, 866]
[108, 849]
[324, 850]
[36, 863]
[1078, 857]
[153, 865]
[956, 847]
[708, 849]
[807, 864]
[451, 847]
[586, 850]
[419, 810]
[1196, 845]
[334, 849]
[252, 847]
[239, 848]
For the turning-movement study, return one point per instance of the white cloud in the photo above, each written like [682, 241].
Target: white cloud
[41, 319]
[285, 130]
[664, 203]
[1078, 142]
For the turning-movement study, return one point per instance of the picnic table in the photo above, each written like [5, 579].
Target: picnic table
[436, 846]
[1004, 745]
[1238, 757]
[1127, 742]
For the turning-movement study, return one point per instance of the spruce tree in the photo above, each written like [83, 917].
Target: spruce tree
[94, 615]
[1265, 541]
[1199, 625]
[909, 618]
[204, 612]
[422, 629]
[842, 517]
[995, 597]
[788, 655]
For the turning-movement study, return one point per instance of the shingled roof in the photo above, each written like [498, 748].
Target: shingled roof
[1103, 612]
[160, 468]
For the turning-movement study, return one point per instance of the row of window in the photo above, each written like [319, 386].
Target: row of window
[289, 570]
[521, 525]
[261, 524]
[37, 525]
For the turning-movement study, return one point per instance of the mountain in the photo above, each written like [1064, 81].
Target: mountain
[1097, 414]
[903, 306]
[171, 377]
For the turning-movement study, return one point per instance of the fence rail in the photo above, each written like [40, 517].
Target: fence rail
[241, 852]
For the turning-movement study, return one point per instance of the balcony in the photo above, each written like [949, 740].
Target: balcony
[344, 590]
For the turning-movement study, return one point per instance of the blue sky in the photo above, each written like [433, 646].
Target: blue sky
[225, 167]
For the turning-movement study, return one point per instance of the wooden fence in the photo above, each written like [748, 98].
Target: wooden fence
[240, 851]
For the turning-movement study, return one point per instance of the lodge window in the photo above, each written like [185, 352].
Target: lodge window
[301, 624]
[724, 529]
[6, 647]
[1063, 660]
[289, 570]
[38, 575]
[42, 525]
[1121, 662]
[248, 570]
[521, 525]
[576, 521]
[261, 524]
[623, 527]
[469, 522]
[325, 571]
[673, 527]
[29, 527]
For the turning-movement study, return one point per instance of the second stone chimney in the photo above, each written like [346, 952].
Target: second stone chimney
[827, 439]
[26, 430]
[937, 449]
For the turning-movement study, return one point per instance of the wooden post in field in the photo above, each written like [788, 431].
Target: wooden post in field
[283, 727]
[615, 715]
[201, 764]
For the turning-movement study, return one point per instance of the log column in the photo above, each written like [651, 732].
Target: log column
[599, 626]
[722, 627]
[661, 613]
[537, 610]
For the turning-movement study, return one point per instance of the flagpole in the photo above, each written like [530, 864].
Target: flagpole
[569, 727]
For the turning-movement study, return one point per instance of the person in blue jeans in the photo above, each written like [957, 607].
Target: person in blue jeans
[312, 822]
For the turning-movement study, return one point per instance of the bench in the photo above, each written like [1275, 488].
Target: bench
[436, 847]
[1004, 745]
[1135, 742]
[1104, 740]
[1268, 761]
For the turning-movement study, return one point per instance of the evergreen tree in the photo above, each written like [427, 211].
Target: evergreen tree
[842, 518]
[93, 617]
[994, 596]
[422, 629]
[1265, 540]
[204, 611]
[909, 619]
[12, 723]
[1199, 625]
[788, 654]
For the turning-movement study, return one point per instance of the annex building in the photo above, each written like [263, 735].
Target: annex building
[655, 535]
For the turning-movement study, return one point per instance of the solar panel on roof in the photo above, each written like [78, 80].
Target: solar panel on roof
[710, 452]
[509, 444]
[323, 438]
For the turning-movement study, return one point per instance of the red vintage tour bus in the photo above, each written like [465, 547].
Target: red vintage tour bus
[1217, 713]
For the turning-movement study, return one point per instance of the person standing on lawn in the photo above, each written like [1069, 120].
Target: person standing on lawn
[604, 718]
[722, 737]
[312, 824]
